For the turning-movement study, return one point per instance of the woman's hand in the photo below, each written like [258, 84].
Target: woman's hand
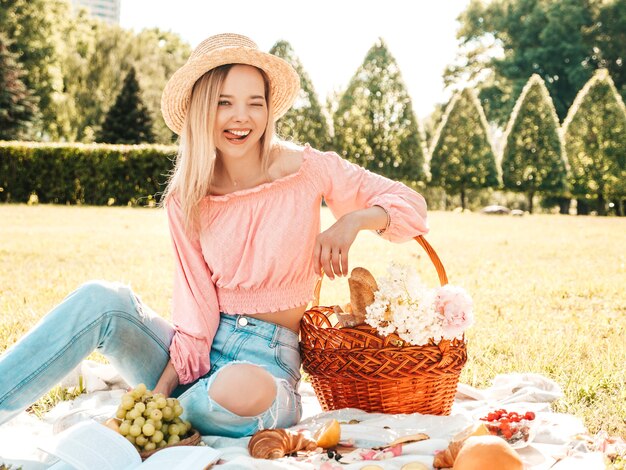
[332, 246]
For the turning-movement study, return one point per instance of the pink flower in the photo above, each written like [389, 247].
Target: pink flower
[454, 304]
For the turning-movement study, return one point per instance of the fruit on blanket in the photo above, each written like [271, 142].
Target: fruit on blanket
[149, 420]
[276, 443]
[446, 457]
[329, 434]
[487, 453]
[509, 425]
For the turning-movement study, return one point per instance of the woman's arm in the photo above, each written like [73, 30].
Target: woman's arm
[332, 245]
[168, 381]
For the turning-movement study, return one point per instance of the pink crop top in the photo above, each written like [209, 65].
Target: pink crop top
[254, 252]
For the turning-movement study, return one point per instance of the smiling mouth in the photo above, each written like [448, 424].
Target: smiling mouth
[237, 135]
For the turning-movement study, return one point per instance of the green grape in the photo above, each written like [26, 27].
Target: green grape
[158, 424]
[171, 402]
[140, 421]
[162, 444]
[128, 401]
[150, 421]
[135, 430]
[161, 402]
[151, 406]
[157, 437]
[141, 407]
[187, 426]
[173, 439]
[125, 428]
[168, 413]
[173, 430]
[164, 428]
[148, 429]
[133, 414]
[131, 439]
[149, 446]
[156, 415]
[178, 410]
[141, 440]
[140, 389]
[120, 413]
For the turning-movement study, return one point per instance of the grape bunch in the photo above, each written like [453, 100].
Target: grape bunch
[150, 420]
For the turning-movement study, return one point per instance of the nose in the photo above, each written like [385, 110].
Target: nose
[240, 113]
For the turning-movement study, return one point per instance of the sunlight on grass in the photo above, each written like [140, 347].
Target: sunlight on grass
[548, 290]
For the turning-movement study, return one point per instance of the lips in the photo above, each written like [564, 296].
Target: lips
[237, 136]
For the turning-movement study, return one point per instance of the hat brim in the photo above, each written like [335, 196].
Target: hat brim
[284, 81]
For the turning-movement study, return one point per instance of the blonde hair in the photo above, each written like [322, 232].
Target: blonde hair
[193, 169]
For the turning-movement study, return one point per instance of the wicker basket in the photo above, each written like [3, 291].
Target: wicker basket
[357, 368]
[192, 440]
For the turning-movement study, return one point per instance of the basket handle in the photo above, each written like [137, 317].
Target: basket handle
[430, 251]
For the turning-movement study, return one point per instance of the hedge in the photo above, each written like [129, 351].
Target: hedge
[97, 174]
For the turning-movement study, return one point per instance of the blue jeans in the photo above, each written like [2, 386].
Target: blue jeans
[110, 318]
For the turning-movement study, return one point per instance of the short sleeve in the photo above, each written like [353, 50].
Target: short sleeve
[195, 309]
[347, 187]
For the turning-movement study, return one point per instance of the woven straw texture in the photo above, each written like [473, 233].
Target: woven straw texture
[225, 49]
[357, 368]
[192, 440]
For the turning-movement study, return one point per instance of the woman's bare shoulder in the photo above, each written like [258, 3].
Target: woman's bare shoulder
[286, 158]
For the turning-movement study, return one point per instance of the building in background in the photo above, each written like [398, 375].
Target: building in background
[105, 10]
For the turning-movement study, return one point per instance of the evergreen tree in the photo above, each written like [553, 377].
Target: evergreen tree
[374, 121]
[562, 41]
[35, 28]
[305, 121]
[128, 121]
[462, 157]
[595, 142]
[17, 104]
[533, 160]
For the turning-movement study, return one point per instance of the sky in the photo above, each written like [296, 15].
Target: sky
[330, 37]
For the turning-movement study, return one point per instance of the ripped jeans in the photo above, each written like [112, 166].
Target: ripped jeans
[110, 318]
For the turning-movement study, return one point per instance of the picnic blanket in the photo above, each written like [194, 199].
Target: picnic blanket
[555, 445]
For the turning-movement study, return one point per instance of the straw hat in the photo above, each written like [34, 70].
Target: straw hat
[220, 50]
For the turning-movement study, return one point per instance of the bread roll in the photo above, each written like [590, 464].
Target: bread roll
[362, 287]
[487, 453]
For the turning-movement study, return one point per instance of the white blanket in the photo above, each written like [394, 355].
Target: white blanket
[524, 392]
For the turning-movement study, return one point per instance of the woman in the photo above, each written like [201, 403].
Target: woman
[244, 216]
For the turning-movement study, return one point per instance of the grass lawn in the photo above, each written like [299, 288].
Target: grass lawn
[549, 290]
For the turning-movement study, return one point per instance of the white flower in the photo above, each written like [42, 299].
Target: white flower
[417, 314]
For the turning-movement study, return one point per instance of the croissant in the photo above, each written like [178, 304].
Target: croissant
[276, 443]
[446, 458]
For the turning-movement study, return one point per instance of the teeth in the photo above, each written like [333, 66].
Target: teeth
[240, 133]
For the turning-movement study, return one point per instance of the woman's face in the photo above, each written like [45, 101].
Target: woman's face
[241, 112]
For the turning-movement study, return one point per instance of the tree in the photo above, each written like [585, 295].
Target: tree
[505, 41]
[595, 142]
[18, 106]
[305, 121]
[374, 121]
[462, 157]
[35, 28]
[128, 121]
[533, 159]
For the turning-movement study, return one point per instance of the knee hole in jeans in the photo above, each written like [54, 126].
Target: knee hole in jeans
[243, 389]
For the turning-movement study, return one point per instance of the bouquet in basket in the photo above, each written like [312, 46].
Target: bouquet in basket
[404, 305]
